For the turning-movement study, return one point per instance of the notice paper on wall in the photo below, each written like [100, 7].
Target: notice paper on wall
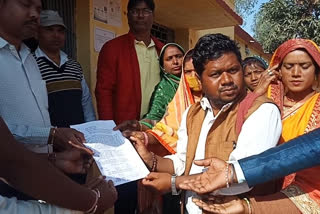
[101, 36]
[115, 156]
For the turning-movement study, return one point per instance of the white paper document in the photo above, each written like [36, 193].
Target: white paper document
[114, 154]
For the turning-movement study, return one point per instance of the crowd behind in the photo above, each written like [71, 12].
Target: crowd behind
[219, 133]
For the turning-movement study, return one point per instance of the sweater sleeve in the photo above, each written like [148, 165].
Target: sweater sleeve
[106, 82]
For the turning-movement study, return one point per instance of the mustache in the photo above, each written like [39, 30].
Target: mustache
[34, 22]
[227, 88]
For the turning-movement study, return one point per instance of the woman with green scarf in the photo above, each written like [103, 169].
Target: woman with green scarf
[170, 61]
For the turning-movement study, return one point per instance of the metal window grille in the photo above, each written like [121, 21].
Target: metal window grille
[162, 33]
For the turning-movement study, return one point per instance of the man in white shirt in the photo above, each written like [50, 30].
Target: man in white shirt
[227, 123]
[23, 95]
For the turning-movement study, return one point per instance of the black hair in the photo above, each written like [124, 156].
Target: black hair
[133, 3]
[211, 47]
[188, 56]
[252, 60]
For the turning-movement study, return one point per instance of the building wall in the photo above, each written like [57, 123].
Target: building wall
[230, 3]
[85, 25]
[252, 50]
[196, 34]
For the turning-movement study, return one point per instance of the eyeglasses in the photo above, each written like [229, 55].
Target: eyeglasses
[144, 12]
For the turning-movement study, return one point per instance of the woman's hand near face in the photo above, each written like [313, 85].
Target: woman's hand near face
[270, 75]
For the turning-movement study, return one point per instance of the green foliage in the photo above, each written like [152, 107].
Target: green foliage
[245, 7]
[280, 20]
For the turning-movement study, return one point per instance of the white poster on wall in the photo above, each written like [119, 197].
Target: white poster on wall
[101, 36]
[108, 11]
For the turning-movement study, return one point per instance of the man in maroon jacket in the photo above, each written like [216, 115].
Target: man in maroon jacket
[128, 67]
[128, 71]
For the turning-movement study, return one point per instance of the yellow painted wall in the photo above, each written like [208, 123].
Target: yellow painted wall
[83, 36]
[253, 51]
[182, 38]
[196, 34]
[117, 30]
[85, 25]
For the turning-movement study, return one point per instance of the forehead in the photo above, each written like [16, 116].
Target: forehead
[10, 3]
[253, 66]
[226, 61]
[172, 50]
[188, 65]
[140, 5]
[297, 56]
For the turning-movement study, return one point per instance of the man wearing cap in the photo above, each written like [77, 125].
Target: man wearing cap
[69, 96]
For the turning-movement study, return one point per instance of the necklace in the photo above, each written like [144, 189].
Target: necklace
[291, 100]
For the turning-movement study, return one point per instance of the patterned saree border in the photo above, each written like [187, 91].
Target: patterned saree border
[314, 121]
[301, 200]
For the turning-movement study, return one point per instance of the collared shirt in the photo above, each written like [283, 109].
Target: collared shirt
[14, 206]
[23, 95]
[149, 72]
[87, 105]
[259, 132]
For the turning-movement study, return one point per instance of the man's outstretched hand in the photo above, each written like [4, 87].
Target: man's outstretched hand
[212, 179]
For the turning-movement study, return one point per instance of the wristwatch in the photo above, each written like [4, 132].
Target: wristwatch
[173, 185]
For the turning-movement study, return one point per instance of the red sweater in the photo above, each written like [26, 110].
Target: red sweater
[118, 89]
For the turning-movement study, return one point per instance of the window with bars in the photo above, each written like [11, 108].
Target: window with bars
[164, 34]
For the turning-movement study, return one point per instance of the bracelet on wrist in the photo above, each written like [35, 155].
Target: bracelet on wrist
[227, 175]
[173, 185]
[50, 143]
[146, 124]
[154, 162]
[94, 207]
[232, 174]
[146, 139]
[248, 205]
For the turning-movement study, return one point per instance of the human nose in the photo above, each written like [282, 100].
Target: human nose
[175, 60]
[34, 13]
[140, 13]
[253, 76]
[226, 78]
[296, 71]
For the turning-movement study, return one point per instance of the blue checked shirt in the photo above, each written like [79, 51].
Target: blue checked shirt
[23, 95]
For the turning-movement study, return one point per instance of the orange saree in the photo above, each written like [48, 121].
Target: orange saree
[303, 187]
[165, 131]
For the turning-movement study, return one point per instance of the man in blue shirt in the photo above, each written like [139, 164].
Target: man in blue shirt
[23, 94]
[300, 153]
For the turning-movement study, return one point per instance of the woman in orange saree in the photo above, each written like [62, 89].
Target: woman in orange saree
[188, 92]
[299, 103]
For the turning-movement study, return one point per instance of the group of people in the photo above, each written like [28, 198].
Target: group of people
[198, 119]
